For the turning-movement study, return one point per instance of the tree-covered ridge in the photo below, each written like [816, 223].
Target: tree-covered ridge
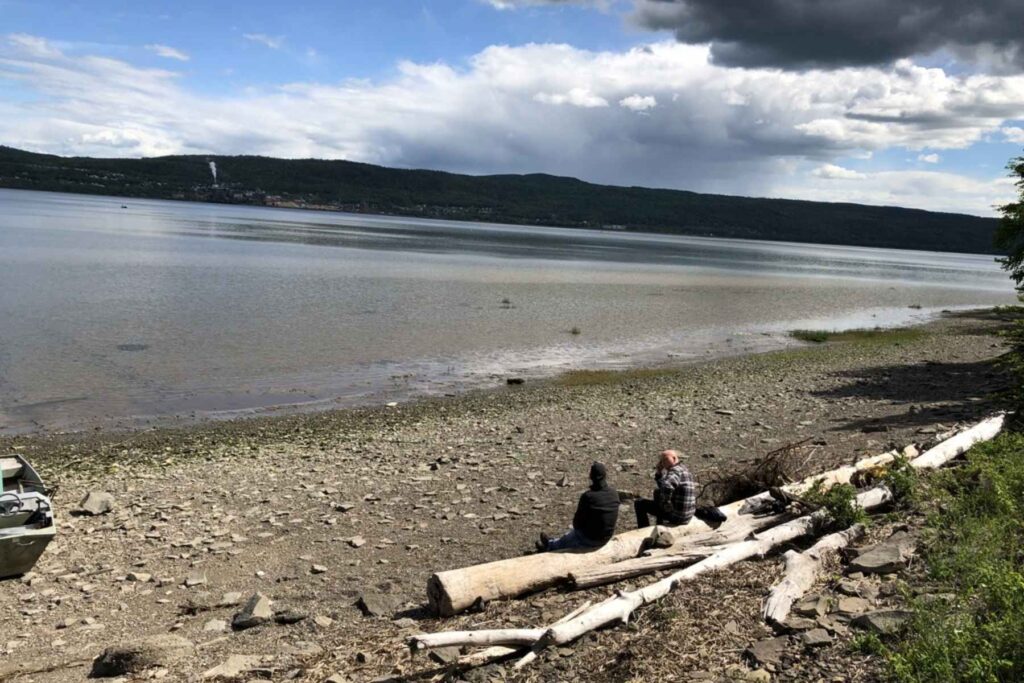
[527, 199]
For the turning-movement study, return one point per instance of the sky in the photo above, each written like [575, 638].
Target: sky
[915, 103]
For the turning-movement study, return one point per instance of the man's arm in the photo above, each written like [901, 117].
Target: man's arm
[582, 512]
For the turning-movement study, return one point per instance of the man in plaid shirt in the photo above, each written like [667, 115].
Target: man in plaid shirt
[675, 495]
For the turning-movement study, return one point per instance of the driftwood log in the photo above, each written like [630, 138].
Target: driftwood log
[802, 571]
[619, 607]
[456, 590]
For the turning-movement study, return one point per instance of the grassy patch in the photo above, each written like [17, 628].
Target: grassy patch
[975, 552]
[875, 335]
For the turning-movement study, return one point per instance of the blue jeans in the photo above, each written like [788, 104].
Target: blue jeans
[571, 539]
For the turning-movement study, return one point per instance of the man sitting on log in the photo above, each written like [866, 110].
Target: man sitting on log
[675, 494]
[596, 514]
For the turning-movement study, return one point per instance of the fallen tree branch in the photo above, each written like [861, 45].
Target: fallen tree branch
[802, 570]
[589, 577]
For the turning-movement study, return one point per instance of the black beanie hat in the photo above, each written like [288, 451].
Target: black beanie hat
[598, 472]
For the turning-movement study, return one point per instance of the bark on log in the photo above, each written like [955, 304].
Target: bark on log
[802, 570]
[457, 590]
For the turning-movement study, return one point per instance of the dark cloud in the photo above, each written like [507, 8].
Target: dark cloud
[799, 34]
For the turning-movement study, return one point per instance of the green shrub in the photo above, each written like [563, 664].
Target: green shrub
[840, 501]
[974, 550]
[902, 480]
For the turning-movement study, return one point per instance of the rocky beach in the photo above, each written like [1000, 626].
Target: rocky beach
[298, 547]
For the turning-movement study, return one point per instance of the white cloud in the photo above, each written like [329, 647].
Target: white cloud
[833, 172]
[1013, 134]
[33, 46]
[714, 129]
[273, 42]
[168, 52]
[932, 190]
[639, 102]
[577, 97]
[929, 158]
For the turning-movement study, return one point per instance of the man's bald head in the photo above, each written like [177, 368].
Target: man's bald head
[668, 459]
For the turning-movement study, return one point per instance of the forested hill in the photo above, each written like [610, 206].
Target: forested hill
[526, 199]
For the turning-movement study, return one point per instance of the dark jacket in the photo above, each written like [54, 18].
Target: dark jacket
[597, 512]
[676, 494]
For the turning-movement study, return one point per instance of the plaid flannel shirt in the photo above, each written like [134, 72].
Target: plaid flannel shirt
[676, 493]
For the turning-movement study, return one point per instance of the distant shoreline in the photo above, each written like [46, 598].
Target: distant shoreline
[531, 199]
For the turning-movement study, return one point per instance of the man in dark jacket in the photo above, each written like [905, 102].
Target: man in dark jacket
[594, 521]
[675, 494]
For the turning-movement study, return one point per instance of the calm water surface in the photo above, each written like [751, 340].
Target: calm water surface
[121, 316]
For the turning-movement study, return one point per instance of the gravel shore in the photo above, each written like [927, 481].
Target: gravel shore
[316, 511]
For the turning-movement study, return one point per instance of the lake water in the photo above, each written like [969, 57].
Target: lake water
[116, 316]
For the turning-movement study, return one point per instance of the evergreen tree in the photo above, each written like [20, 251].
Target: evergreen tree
[1010, 234]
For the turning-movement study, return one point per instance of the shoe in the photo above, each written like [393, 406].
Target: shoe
[542, 543]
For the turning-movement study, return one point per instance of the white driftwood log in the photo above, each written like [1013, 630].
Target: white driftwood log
[802, 570]
[492, 654]
[621, 605]
[959, 444]
[588, 577]
[457, 590]
[426, 641]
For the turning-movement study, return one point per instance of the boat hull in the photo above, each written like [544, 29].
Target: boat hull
[19, 552]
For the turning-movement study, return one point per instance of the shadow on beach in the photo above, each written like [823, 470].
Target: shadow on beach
[932, 392]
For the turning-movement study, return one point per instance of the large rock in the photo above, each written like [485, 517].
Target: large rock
[374, 604]
[813, 605]
[255, 612]
[885, 558]
[816, 638]
[768, 651]
[96, 503]
[148, 653]
[852, 606]
[883, 622]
